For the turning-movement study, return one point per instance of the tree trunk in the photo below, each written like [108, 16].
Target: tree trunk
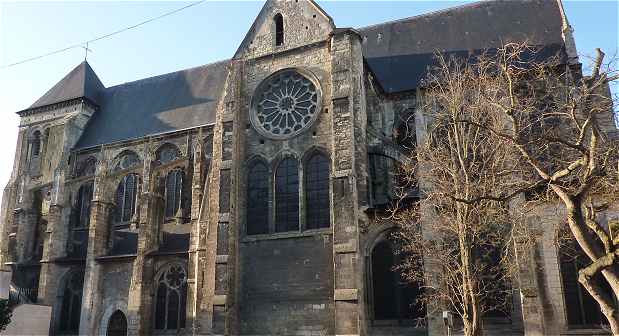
[594, 251]
[471, 317]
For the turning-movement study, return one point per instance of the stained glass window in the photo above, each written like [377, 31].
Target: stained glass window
[317, 192]
[287, 196]
[173, 192]
[171, 299]
[258, 199]
[86, 167]
[167, 153]
[126, 197]
[128, 159]
[285, 104]
[81, 209]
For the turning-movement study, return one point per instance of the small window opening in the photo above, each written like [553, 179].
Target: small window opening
[36, 143]
[279, 29]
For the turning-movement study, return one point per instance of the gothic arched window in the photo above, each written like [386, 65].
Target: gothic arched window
[167, 153]
[393, 298]
[126, 160]
[80, 220]
[173, 192]
[81, 208]
[278, 20]
[71, 303]
[126, 196]
[117, 325]
[258, 199]
[86, 167]
[171, 298]
[287, 196]
[317, 205]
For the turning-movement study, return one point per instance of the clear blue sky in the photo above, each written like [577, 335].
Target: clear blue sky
[202, 34]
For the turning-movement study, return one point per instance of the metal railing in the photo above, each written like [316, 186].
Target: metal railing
[20, 295]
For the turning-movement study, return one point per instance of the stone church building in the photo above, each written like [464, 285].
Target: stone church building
[234, 198]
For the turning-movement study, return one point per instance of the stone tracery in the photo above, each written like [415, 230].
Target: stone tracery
[285, 104]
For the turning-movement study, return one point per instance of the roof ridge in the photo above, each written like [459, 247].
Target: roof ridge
[169, 73]
[432, 13]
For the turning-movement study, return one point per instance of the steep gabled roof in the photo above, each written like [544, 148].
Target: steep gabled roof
[399, 52]
[81, 82]
[165, 103]
[258, 20]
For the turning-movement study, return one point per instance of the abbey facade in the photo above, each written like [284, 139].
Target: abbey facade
[236, 198]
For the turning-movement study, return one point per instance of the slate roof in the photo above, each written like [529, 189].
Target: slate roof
[399, 52]
[81, 82]
[155, 105]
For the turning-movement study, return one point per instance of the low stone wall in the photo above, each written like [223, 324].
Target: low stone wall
[29, 319]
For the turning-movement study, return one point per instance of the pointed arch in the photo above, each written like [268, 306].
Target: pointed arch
[287, 195]
[117, 324]
[316, 175]
[81, 206]
[86, 167]
[390, 297]
[126, 198]
[125, 160]
[167, 152]
[170, 292]
[70, 302]
[257, 216]
[173, 192]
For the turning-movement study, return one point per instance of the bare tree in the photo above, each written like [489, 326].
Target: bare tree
[466, 179]
[560, 125]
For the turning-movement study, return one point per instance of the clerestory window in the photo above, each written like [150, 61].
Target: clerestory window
[126, 197]
[173, 192]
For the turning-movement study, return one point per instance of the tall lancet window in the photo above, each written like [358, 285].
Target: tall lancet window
[126, 196]
[36, 144]
[173, 192]
[287, 196]
[317, 205]
[258, 199]
[279, 29]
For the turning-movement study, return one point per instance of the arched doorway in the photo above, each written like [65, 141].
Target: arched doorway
[71, 303]
[117, 325]
[392, 297]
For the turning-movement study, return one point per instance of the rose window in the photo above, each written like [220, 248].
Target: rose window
[285, 104]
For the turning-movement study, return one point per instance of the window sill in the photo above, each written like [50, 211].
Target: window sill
[395, 323]
[287, 235]
[586, 331]
[115, 257]
[68, 260]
